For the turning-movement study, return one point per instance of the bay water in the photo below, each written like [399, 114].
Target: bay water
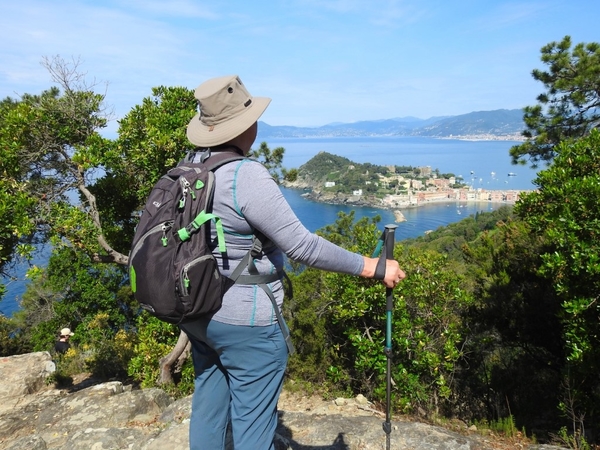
[482, 164]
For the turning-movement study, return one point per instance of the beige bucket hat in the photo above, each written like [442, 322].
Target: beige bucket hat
[226, 110]
[66, 332]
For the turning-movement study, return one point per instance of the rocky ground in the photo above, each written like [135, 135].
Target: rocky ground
[113, 415]
[315, 405]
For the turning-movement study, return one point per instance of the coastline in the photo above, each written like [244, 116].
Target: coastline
[517, 137]
[397, 205]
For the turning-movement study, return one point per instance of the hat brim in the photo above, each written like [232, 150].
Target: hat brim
[203, 136]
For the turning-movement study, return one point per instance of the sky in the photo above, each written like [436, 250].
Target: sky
[320, 61]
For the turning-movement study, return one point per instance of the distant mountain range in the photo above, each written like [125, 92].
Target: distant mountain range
[493, 124]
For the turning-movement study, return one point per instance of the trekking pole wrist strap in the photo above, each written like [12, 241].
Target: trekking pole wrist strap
[380, 268]
[380, 251]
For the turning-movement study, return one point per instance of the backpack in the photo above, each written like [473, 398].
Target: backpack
[172, 270]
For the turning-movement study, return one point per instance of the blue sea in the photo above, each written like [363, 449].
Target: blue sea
[484, 164]
[316, 215]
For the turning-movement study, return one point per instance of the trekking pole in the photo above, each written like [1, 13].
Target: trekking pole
[387, 242]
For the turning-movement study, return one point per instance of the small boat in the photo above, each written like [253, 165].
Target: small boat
[512, 174]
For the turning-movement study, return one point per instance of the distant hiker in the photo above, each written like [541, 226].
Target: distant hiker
[62, 345]
[239, 352]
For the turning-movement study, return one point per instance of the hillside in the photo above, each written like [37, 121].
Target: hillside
[497, 123]
[335, 174]
[489, 124]
[326, 171]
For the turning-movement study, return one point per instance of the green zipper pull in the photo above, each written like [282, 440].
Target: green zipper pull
[164, 239]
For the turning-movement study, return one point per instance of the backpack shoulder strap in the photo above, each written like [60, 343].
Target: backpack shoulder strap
[214, 158]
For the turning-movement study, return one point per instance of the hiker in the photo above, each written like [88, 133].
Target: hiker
[62, 345]
[239, 352]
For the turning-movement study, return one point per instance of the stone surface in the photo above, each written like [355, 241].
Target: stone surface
[22, 375]
[114, 416]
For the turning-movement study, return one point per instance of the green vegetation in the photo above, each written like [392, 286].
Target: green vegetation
[569, 108]
[496, 323]
[450, 240]
[272, 159]
[155, 339]
[342, 174]
[564, 212]
[332, 173]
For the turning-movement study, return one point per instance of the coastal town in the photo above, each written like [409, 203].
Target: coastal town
[447, 194]
[397, 191]
[436, 189]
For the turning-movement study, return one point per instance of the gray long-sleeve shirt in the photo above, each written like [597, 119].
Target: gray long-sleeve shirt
[247, 198]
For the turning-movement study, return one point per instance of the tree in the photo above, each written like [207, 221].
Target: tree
[54, 151]
[151, 140]
[74, 289]
[565, 211]
[569, 108]
[54, 141]
[40, 139]
[290, 175]
[83, 191]
[17, 213]
[515, 347]
[271, 159]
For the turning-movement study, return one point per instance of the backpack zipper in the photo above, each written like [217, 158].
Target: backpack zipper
[185, 189]
[184, 280]
[164, 227]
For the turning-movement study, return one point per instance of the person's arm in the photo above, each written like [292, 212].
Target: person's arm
[264, 207]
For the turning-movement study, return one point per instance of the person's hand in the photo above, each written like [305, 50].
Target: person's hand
[393, 273]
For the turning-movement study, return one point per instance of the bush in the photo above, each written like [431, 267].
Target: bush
[155, 339]
[68, 364]
[12, 341]
[107, 353]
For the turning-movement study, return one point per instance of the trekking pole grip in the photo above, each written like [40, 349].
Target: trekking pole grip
[389, 242]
